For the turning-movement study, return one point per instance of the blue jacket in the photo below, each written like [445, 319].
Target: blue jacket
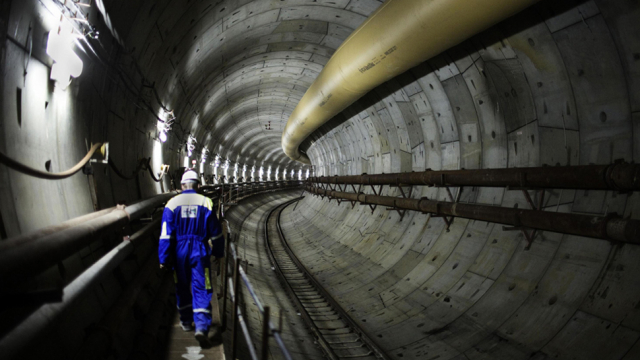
[189, 216]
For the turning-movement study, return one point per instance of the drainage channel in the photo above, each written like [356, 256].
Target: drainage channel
[337, 334]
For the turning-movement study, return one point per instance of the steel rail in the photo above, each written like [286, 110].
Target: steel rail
[620, 177]
[305, 316]
[608, 227]
[344, 315]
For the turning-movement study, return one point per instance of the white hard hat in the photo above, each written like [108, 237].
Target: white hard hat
[190, 176]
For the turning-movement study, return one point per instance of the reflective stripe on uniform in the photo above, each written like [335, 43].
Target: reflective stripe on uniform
[164, 234]
[185, 307]
[208, 203]
[202, 311]
[185, 199]
[175, 277]
[207, 279]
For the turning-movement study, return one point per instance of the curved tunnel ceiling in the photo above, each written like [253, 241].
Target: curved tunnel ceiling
[234, 71]
[558, 84]
[554, 85]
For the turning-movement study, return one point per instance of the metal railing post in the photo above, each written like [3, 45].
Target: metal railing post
[265, 333]
[224, 278]
[236, 301]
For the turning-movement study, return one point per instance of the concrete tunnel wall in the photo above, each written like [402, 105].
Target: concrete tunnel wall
[537, 90]
[557, 84]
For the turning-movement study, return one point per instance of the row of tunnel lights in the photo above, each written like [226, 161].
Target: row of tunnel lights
[67, 64]
[217, 163]
[164, 126]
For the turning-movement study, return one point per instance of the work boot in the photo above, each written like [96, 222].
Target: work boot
[187, 327]
[201, 336]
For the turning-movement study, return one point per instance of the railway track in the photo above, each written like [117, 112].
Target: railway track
[337, 334]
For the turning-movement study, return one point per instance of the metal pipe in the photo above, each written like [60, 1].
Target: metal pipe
[23, 239]
[20, 260]
[396, 37]
[47, 315]
[608, 227]
[621, 177]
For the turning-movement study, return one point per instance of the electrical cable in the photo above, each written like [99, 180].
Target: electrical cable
[15, 165]
[151, 172]
[123, 176]
[143, 164]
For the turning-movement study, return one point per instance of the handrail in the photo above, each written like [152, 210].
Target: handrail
[242, 190]
[272, 328]
[232, 287]
[231, 275]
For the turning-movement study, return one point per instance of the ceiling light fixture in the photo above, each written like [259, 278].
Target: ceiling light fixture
[162, 136]
[191, 144]
[66, 64]
[164, 124]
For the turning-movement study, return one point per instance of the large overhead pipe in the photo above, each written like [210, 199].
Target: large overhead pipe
[620, 177]
[607, 227]
[398, 36]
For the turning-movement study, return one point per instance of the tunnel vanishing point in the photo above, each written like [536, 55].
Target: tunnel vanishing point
[407, 179]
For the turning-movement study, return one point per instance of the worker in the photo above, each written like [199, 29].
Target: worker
[191, 233]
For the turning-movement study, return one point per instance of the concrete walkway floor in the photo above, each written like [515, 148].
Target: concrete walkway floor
[183, 345]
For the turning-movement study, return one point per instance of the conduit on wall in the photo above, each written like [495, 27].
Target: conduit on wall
[398, 36]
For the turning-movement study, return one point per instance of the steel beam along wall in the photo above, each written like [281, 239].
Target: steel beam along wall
[554, 85]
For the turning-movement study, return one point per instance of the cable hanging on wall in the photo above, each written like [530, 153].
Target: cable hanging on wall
[18, 166]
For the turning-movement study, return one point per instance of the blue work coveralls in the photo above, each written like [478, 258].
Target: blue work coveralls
[190, 220]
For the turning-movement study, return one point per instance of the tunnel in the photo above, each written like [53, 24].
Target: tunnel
[439, 179]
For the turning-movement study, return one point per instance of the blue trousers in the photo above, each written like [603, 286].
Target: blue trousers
[193, 282]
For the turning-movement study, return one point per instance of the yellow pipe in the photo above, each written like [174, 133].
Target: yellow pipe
[396, 37]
